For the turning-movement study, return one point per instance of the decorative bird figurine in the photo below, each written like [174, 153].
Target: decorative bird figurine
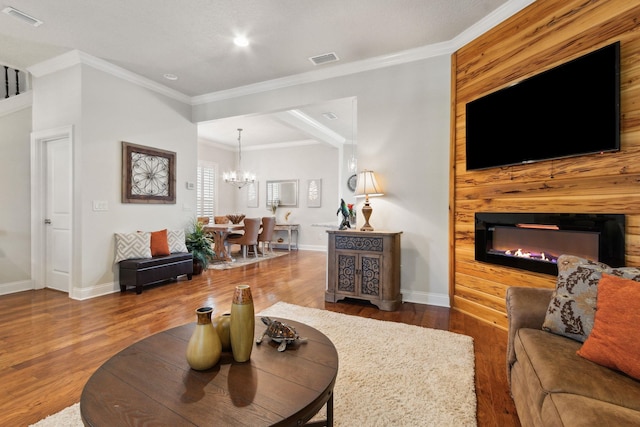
[345, 215]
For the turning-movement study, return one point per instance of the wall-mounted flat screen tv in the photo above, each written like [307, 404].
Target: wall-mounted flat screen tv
[570, 110]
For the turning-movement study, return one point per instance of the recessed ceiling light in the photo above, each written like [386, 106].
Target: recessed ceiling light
[170, 76]
[241, 41]
[18, 14]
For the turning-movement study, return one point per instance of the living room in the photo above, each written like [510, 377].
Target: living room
[411, 114]
[405, 128]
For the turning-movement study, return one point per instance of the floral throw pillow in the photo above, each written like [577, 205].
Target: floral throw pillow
[571, 311]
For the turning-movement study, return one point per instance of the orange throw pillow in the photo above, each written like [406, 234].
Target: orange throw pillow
[159, 243]
[613, 341]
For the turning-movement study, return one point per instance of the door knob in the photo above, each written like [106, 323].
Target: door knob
[47, 221]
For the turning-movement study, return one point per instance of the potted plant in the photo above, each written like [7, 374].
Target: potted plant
[200, 244]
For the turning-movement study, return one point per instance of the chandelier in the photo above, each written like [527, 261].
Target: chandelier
[238, 177]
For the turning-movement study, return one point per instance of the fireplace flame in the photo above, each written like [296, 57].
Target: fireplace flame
[521, 253]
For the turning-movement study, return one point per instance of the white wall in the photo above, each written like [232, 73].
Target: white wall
[104, 111]
[15, 231]
[403, 135]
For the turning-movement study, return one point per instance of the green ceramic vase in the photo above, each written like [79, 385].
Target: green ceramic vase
[204, 347]
[222, 323]
[242, 324]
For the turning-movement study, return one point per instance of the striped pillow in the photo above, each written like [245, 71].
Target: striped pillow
[133, 245]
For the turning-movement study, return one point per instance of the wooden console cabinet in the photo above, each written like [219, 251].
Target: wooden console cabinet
[364, 265]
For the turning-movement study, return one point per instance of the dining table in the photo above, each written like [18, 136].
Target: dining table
[220, 233]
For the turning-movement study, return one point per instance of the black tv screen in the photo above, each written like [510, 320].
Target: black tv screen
[572, 109]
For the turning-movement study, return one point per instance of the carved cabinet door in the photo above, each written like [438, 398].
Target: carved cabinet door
[358, 274]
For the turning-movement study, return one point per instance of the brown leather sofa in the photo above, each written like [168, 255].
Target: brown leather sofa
[550, 384]
[139, 272]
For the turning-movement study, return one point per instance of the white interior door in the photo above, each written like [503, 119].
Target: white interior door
[58, 214]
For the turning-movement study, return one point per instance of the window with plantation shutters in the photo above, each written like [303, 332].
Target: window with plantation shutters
[206, 190]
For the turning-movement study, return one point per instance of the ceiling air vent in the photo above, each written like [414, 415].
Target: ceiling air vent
[324, 58]
[22, 16]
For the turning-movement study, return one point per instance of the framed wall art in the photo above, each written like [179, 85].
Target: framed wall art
[252, 194]
[314, 193]
[148, 174]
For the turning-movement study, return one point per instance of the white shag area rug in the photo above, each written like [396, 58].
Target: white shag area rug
[390, 374]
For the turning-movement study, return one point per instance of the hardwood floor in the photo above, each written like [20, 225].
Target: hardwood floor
[50, 344]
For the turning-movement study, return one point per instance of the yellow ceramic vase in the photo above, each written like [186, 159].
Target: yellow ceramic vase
[204, 348]
[221, 323]
[242, 324]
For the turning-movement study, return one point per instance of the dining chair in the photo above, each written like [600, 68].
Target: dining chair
[266, 234]
[221, 219]
[249, 238]
[204, 220]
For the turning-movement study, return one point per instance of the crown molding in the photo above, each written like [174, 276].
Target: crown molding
[76, 57]
[328, 73]
[496, 17]
[54, 64]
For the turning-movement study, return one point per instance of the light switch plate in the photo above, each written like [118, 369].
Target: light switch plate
[100, 205]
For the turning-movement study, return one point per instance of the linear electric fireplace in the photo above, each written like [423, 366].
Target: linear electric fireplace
[534, 241]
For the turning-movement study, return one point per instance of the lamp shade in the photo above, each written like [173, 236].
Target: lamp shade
[367, 185]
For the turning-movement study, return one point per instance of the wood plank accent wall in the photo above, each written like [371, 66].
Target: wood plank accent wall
[545, 34]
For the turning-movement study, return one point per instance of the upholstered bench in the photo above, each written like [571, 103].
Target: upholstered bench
[139, 272]
[150, 257]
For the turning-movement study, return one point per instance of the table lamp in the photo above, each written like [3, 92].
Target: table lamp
[367, 186]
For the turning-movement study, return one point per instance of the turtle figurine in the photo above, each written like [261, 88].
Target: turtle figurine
[279, 332]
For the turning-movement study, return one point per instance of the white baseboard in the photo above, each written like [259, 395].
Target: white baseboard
[13, 287]
[440, 300]
[94, 291]
[76, 293]
[317, 248]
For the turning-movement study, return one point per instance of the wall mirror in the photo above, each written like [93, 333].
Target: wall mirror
[285, 192]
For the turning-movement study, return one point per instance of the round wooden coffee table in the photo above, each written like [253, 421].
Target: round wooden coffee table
[150, 383]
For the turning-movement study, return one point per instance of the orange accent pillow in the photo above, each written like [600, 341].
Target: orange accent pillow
[159, 243]
[613, 341]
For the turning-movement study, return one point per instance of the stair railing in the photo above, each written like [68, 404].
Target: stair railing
[15, 81]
